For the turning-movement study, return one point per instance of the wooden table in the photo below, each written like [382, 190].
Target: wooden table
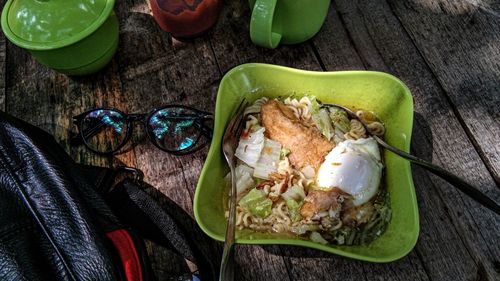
[446, 51]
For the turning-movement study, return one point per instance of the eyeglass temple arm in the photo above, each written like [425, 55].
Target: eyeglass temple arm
[91, 131]
[205, 130]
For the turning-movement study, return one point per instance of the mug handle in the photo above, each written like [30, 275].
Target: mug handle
[261, 24]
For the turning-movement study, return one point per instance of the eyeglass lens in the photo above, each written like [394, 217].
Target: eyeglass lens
[104, 130]
[174, 129]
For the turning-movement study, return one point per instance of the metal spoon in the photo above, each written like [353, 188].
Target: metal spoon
[456, 181]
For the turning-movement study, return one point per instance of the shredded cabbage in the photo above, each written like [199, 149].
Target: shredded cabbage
[315, 106]
[340, 122]
[257, 203]
[284, 152]
[340, 119]
[308, 172]
[316, 237]
[244, 179]
[294, 198]
[269, 159]
[249, 148]
[256, 127]
[303, 228]
[323, 122]
[294, 210]
[294, 192]
[321, 118]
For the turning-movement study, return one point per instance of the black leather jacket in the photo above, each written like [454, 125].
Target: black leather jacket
[52, 220]
[55, 215]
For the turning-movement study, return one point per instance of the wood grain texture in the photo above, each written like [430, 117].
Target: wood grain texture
[232, 45]
[260, 263]
[334, 45]
[153, 72]
[383, 45]
[445, 70]
[308, 264]
[446, 241]
[468, 70]
[148, 70]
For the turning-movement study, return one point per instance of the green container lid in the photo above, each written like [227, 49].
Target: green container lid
[52, 24]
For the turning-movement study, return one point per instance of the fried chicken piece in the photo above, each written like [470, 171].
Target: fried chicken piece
[319, 201]
[307, 145]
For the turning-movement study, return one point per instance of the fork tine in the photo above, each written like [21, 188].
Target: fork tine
[236, 116]
[240, 119]
[241, 124]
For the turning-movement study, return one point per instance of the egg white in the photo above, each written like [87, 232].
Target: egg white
[355, 167]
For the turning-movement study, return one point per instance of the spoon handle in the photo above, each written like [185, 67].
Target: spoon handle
[459, 183]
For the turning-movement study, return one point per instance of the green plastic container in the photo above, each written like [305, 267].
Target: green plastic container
[74, 37]
[276, 22]
[379, 92]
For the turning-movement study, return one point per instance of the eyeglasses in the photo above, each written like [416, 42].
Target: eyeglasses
[175, 129]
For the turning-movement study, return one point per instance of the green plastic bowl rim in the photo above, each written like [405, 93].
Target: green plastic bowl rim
[30, 45]
[305, 243]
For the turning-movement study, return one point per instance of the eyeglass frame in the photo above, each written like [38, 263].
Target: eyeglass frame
[130, 119]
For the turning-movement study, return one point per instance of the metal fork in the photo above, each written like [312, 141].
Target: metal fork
[453, 179]
[229, 145]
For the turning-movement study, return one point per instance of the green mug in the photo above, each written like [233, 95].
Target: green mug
[286, 21]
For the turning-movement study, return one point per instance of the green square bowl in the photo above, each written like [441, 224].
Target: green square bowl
[379, 92]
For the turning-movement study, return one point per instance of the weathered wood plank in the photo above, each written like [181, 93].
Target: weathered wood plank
[46, 99]
[153, 78]
[460, 40]
[308, 264]
[176, 264]
[372, 59]
[232, 45]
[337, 51]
[156, 70]
[383, 45]
[148, 70]
[260, 263]
[410, 268]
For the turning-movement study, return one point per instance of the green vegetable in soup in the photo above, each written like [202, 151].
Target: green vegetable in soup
[257, 203]
[294, 210]
[321, 119]
[316, 237]
[284, 152]
[339, 119]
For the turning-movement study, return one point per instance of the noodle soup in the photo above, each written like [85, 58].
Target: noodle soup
[310, 172]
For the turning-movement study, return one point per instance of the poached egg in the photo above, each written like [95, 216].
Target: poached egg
[355, 167]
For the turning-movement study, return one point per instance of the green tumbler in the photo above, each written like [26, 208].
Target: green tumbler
[286, 21]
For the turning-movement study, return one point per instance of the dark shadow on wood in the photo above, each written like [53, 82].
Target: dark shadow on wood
[462, 62]
[209, 247]
[167, 263]
[295, 251]
[421, 140]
